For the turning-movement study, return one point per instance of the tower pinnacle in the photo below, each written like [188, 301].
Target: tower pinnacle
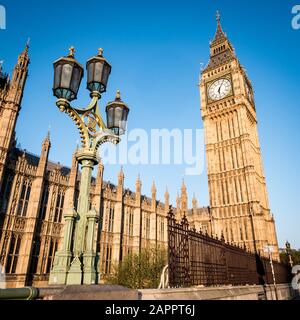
[220, 35]
[218, 16]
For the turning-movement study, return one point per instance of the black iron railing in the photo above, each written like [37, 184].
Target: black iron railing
[195, 259]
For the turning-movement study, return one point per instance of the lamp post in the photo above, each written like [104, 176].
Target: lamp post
[288, 253]
[75, 262]
[270, 249]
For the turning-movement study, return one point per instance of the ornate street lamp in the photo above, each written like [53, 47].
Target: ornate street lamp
[288, 253]
[68, 74]
[98, 70]
[117, 113]
[76, 264]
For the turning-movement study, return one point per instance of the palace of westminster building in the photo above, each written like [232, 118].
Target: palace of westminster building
[34, 192]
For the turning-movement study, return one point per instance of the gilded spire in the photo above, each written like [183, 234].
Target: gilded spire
[220, 35]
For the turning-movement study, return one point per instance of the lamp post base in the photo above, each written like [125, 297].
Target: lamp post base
[89, 271]
[75, 272]
[58, 275]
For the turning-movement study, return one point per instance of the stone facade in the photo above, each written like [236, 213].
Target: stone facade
[35, 192]
[237, 186]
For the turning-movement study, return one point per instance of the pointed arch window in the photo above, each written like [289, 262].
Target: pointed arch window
[130, 224]
[5, 192]
[59, 206]
[24, 199]
[147, 227]
[108, 259]
[52, 250]
[13, 254]
[44, 203]
[111, 219]
[35, 255]
[162, 230]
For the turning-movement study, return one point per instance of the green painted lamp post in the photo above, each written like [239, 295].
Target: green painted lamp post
[288, 253]
[75, 262]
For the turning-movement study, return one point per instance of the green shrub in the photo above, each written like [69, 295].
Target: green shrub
[139, 271]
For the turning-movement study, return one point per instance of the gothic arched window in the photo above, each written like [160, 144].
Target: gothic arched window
[13, 254]
[59, 206]
[147, 226]
[5, 192]
[35, 255]
[52, 250]
[108, 259]
[130, 224]
[111, 219]
[24, 198]
[43, 207]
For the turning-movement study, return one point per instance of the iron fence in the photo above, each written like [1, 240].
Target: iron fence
[195, 258]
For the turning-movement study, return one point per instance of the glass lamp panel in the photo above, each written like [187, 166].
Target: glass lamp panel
[106, 72]
[118, 116]
[90, 71]
[76, 78]
[57, 76]
[66, 76]
[110, 117]
[98, 71]
[124, 120]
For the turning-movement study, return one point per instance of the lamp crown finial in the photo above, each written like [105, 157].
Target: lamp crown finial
[118, 96]
[71, 52]
[100, 52]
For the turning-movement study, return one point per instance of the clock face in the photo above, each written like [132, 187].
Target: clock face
[219, 89]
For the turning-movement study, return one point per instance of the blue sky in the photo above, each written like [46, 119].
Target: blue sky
[155, 48]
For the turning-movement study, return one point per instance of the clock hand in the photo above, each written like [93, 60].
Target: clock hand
[221, 86]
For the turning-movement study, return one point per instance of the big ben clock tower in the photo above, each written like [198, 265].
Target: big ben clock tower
[237, 187]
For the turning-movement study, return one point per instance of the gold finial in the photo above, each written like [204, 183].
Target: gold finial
[218, 16]
[118, 96]
[72, 52]
[100, 52]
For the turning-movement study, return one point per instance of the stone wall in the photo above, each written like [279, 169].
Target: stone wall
[284, 292]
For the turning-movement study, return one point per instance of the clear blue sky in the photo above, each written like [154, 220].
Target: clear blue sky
[156, 48]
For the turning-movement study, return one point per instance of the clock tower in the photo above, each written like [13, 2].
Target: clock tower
[237, 186]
